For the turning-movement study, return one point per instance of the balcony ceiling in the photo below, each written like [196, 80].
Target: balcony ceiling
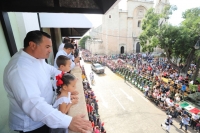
[57, 6]
[74, 32]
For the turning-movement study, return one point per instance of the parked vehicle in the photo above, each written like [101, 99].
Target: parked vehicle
[98, 68]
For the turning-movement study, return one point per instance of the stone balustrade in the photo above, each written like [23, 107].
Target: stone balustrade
[80, 107]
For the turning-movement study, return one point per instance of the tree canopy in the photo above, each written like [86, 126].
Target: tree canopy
[83, 40]
[176, 41]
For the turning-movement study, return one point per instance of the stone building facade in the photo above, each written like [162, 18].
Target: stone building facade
[120, 29]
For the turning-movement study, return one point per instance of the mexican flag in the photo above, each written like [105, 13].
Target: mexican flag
[189, 108]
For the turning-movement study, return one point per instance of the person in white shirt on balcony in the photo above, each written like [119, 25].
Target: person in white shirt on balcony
[27, 80]
[64, 40]
[67, 50]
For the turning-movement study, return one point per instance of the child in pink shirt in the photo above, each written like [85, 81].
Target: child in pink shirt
[96, 129]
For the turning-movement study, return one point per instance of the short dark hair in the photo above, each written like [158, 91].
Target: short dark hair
[35, 36]
[72, 40]
[68, 45]
[62, 60]
[66, 40]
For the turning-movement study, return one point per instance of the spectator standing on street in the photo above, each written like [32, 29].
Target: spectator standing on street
[194, 120]
[92, 78]
[198, 126]
[146, 89]
[185, 122]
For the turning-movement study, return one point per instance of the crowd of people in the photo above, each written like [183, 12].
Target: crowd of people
[169, 87]
[92, 104]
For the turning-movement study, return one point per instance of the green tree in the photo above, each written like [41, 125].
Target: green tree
[192, 23]
[83, 40]
[176, 41]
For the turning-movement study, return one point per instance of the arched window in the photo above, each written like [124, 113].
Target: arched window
[138, 47]
[122, 50]
[139, 23]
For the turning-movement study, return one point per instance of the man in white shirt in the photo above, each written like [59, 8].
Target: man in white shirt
[92, 77]
[65, 40]
[61, 46]
[167, 100]
[170, 103]
[185, 121]
[167, 123]
[27, 81]
[178, 108]
[67, 50]
[194, 119]
[176, 83]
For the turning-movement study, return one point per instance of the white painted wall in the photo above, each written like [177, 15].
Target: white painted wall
[110, 30]
[4, 104]
[30, 21]
[123, 32]
[95, 46]
[21, 24]
[18, 28]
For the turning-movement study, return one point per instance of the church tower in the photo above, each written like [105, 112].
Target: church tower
[160, 5]
[136, 12]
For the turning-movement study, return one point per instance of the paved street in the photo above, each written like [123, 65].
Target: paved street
[124, 109]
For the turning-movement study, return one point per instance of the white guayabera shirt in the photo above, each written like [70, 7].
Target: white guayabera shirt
[27, 82]
[61, 46]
